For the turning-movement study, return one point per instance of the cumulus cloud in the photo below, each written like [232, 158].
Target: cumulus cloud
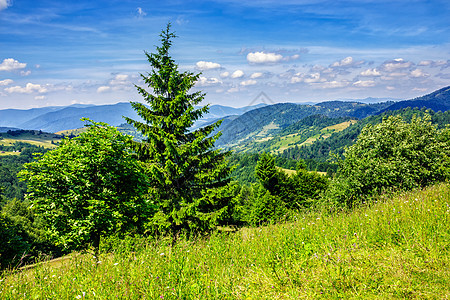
[269, 58]
[25, 73]
[332, 84]
[264, 58]
[224, 74]
[39, 97]
[103, 89]
[433, 64]
[396, 64]
[10, 64]
[120, 79]
[4, 4]
[313, 78]
[417, 73]
[6, 82]
[203, 81]
[370, 73]
[425, 62]
[237, 74]
[346, 62]
[364, 83]
[28, 89]
[248, 82]
[297, 78]
[256, 75]
[207, 65]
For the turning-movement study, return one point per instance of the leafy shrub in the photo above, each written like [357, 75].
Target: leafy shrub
[88, 187]
[15, 242]
[392, 155]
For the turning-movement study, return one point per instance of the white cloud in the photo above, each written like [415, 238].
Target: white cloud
[28, 89]
[398, 74]
[420, 89]
[237, 74]
[39, 97]
[6, 82]
[141, 12]
[224, 74]
[203, 81]
[248, 82]
[25, 73]
[364, 83]
[120, 79]
[233, 90]
[390, 88]
[207, 65]
[396, 64]
[264, 58]
[343, 62]
[347, 62]
[370, 73]
[425, 62]
[418, 73]
[4, 4]
[103, 89]
[334, 84]
[10, 64]
[256, 75]
[313, 78]
[297, 78]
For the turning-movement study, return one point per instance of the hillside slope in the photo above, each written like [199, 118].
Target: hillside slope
[266, 121]
[437, 101]
[395, 248]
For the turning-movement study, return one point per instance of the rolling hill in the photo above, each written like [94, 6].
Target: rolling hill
[267, 121]
[268, 124]
[437, 101]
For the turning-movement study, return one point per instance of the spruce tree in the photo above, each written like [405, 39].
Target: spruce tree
[183, 165]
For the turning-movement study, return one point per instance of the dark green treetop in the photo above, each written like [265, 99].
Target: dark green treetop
[183, 165]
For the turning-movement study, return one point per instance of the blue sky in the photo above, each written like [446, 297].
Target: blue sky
[91, 52]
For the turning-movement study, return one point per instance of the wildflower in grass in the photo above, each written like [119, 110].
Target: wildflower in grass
[116, 264]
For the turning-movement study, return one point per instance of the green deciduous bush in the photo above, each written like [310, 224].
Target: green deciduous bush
[15, 242]
[88, 187]
[392, 155]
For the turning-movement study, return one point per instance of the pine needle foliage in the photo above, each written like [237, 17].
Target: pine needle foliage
[183, 165]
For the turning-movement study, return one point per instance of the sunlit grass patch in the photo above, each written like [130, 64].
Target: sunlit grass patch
[396, 247]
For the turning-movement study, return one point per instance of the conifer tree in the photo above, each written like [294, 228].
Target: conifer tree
[183, 165]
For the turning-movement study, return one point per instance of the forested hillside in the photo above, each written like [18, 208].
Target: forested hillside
[266, 121]
[321, 148]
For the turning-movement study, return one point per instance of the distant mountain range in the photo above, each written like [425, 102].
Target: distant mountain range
[238, 124]
[54, 119]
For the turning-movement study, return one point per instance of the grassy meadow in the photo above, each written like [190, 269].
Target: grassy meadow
[397, 247]
[45, 139]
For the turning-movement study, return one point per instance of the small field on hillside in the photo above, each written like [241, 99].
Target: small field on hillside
[395, 248]
[44, 139]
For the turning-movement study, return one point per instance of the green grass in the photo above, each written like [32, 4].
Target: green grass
[44, 140]
[396, 248]
[4, 153]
